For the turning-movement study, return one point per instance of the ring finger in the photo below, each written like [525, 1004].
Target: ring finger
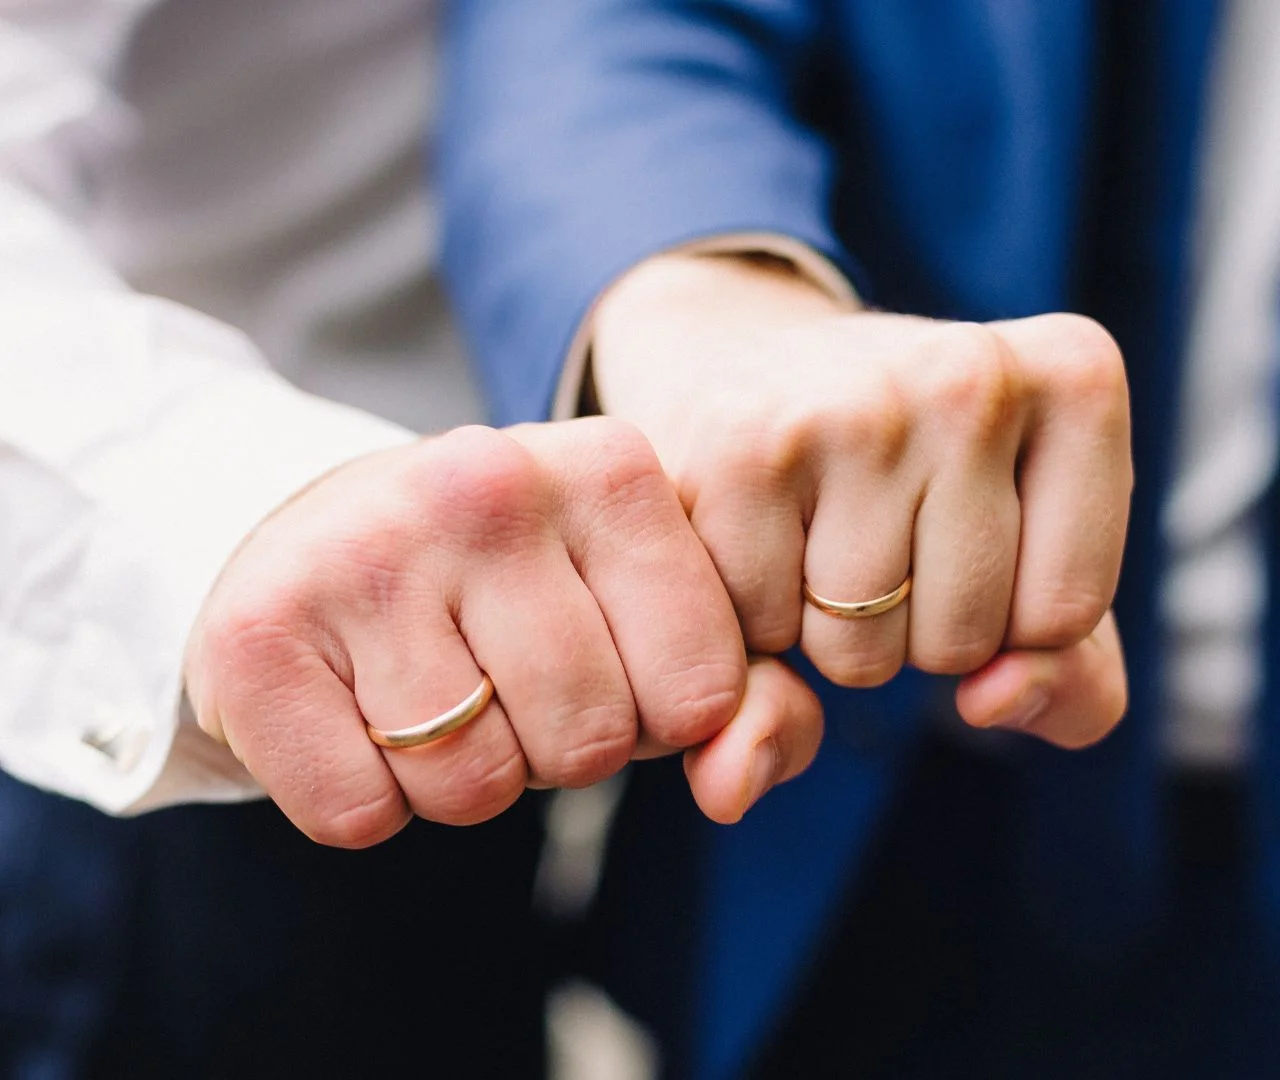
[858, 549]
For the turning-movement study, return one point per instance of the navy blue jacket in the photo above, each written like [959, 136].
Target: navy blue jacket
[976, 159]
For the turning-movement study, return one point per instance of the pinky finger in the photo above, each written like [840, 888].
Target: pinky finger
[1070, 697]
[774, 737]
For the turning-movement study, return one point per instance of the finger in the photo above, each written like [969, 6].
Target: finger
[858, 548]
[1075, 480]
[410, 666]
[1071, 697]
[747, 514]
[497, 558]
[295, 725]
[666, 611]
[538, 632]
[965, 551]
[774, 737]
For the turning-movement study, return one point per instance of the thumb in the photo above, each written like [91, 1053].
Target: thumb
[1070, 697]
[774, 736]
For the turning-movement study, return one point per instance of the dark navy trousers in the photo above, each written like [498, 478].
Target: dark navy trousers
[218, 941]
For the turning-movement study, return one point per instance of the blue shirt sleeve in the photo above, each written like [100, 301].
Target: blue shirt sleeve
[581, 136]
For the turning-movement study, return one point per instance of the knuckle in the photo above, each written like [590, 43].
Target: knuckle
[617, 474]
[623, 446]
[480, 788]
[770, 445]
[368, 570]
[362, 824]
[957, 655]
[1086, 339]
[1061, 617]
[255, 637]
[875, 428]
[861, 665]
[757, 452]
[1090, 367]
[773, 629]
[478, 484]
[974, 382]
[605, 744]
[698, 702]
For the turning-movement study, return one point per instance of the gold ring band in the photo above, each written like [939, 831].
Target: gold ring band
[439, 726]
[862, 609]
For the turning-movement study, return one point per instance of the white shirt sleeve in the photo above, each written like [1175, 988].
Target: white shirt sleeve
[139, 442]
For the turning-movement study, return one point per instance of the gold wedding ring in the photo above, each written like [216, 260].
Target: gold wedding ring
[861, 609]
[439, 726]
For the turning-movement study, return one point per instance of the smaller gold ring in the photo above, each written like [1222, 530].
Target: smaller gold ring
[861, 609]
[438, 726]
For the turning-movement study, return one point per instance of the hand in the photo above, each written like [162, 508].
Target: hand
[848, 449]
[557, 559]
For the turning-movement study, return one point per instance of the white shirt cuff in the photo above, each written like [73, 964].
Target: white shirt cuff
[135, 469]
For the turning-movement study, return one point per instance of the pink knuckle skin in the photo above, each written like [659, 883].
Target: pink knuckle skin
[478, 487]
[859, 668]
[1057, 620]
[955, 656]
[618, 482]
[361, 825]
[698, 703]
[477, 790]
[770, 631]
[597, 757]
[247, 644]
[617, 444]
[1089, 371]
[1088, 347]
[370, 573]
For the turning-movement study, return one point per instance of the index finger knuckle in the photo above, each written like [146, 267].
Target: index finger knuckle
[478, 487]
[361, 824]
[1061, 616]
[603, 740]
[250, 638]
[696, 701]
[1089, 367]
[973, 383]
[616, 470]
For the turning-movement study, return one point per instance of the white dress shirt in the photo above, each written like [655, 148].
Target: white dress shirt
[189, 188]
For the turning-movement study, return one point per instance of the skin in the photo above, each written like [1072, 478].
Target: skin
[556, 558]
[625, 581]
[849, 447]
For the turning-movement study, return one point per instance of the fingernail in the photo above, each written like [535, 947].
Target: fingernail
[1028, 708]
[764, 767]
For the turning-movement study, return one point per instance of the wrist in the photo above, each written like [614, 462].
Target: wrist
[753, 282]
[681, 310]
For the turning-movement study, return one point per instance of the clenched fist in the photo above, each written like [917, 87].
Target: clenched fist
[555, 558]
[846, 450]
